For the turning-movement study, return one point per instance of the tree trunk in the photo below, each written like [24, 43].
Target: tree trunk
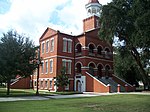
[8, 86]
[37, 86]
[145, 77]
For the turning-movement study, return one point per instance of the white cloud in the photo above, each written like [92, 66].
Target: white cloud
[32, 17]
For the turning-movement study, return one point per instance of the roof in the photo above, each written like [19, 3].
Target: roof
[93, 1]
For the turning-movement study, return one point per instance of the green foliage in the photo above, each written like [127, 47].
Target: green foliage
[17, 56]
[125, 66]
[62, 79]
[129, 21]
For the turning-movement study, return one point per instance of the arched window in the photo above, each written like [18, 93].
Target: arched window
[78, 66]
[89, 11]
[107, 68]
[91, 68]
[99, 50]
[99, 73]
[94, 10]
[107, 53]
[91, 48]
[78, 47]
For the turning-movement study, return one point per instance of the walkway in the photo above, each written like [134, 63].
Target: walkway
[86, 94]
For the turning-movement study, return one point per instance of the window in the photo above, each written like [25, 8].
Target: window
[51, 66]
[50, 83]
[46, 64]
[42, 66]
[46, 84]
[64, 45]
[42, 47]
[52, 45]
[67, 87]
[69, 67]
[41, 84]
[47, 46]
[64, 63]
[69, 46]
[35, 83]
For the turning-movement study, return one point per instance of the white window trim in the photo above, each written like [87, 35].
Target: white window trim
[66, 64]
[42, 46]
[45, 84]
[70, 41]
[65, 39]
[52, 65]
[52, 50]
[46, 67]
[42, 69]
[51, 85]
[48, 46]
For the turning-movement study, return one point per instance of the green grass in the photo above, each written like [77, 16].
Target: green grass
[114, 103]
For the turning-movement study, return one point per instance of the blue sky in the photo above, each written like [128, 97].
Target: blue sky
[32, 17]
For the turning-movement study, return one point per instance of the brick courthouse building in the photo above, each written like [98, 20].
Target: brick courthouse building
[87, 59]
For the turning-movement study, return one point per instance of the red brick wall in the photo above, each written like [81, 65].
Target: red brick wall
[90, 23]
[93, 85]
[23, 83]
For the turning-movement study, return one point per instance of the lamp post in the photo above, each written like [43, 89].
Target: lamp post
[38, 65]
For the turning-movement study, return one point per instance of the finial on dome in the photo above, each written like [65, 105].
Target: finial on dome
[93, 1]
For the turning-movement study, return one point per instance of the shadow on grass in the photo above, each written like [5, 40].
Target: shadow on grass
[31, 92]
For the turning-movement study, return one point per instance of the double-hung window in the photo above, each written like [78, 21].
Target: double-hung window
[69, 67]
[46, 66]
[52, 45]
[47, 46]
[42, 66]
[51, 65]
[43, 45]
[64, 45]
[69, 46]
[50, 84]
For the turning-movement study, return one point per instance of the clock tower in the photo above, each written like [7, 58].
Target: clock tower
[93, 8]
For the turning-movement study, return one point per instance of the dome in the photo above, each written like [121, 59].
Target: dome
[93, 1]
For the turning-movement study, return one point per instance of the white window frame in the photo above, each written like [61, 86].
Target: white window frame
[52, 45]
[51, 66]
[69, 62]
[43, 47]
[41, 84]
[64, 44]
[65, 63]
[46, 84]
[69, 46]
[50, 84]
[47, 46]
[42, 69]
[46, 66]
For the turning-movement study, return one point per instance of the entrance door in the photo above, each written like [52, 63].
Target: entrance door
[78, 86]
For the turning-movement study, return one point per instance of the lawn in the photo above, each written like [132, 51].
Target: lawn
[30, 92]
[113, 103]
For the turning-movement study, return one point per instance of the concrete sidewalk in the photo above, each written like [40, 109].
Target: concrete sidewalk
[86, 94]
[5, 99]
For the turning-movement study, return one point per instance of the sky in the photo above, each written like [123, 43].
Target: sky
[32, 17]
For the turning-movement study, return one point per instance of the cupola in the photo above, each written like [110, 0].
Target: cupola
[93, 8]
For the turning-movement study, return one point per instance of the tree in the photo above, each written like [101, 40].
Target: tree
[62, 79]
[17, 57]
[125, 66]
[128, 20]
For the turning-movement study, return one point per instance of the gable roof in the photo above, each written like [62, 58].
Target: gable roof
[47, 33]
